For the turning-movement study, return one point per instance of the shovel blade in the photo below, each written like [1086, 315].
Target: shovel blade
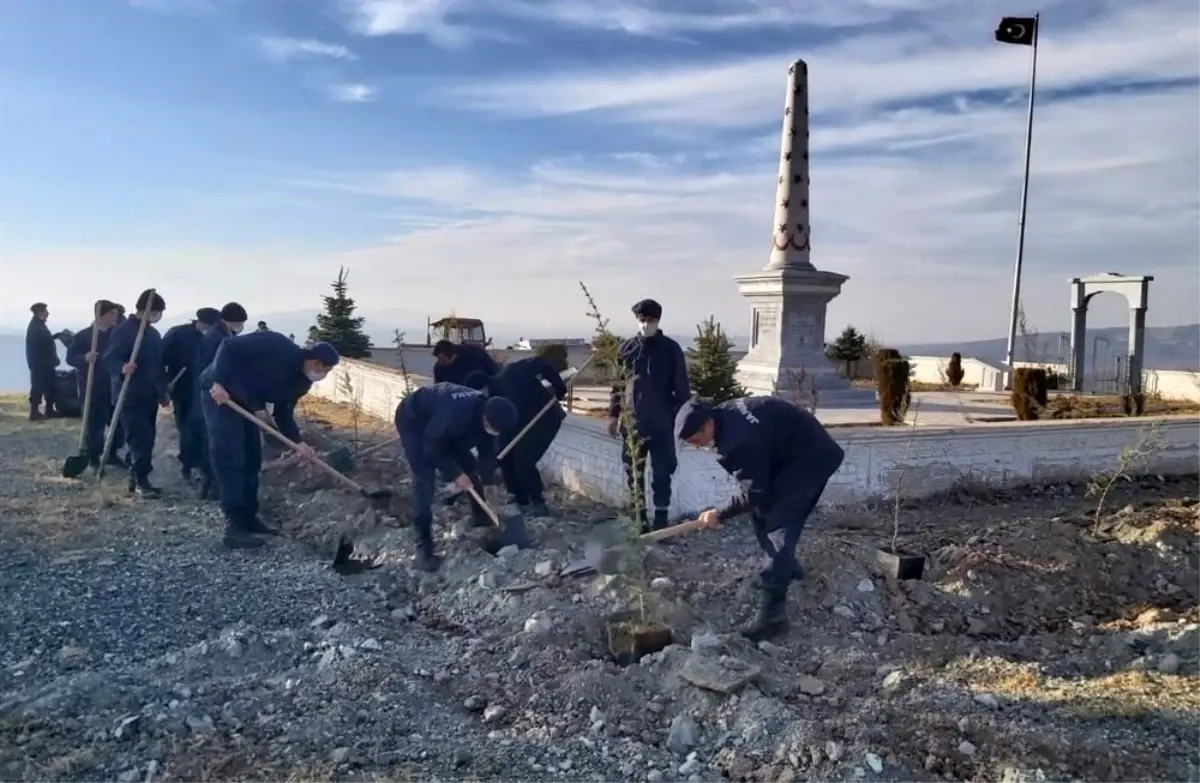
[75, 465]
[607, 545]
[512, 529]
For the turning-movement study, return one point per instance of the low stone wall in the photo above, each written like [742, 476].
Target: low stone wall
[930, 460]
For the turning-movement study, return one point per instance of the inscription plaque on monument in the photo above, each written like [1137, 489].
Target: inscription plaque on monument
[766, 320]
[802, 329]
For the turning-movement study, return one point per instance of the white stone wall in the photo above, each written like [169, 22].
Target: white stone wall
[587, 461]
[976, 372]
[1168, 384]
[1173, 384]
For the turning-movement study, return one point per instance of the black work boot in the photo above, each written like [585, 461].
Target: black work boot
[35, 414]
[254, 524]
[426, 559]
[145, 489]
[772, 615]
[237, 536]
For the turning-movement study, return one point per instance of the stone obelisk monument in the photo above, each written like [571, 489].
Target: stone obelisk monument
[789, 296]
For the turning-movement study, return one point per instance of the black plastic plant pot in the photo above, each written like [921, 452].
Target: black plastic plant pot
[900, 564]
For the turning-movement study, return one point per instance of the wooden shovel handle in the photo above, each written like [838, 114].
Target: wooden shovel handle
[670, 532]
[133, 357]
[91, 377]
[377, 447]
[175, 380]
[491, 514]
[291, 444]
[512, 444]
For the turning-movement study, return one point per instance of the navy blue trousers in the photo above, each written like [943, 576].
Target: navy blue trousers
[520, 468]
[660, 447]
[792, 498]
[182, 404]
[97, 424]
[139, 417]
[42, 382]
[235, 456]
[424, 477]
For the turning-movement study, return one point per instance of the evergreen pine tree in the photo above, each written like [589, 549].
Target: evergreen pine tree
[849, 347]
[604, 346]
[712, 371]
[338, 325]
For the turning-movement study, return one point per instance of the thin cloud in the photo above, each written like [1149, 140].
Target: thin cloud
[285, 49]
[1126, 46]
[443, 20]
[892, 215]
[352, 93]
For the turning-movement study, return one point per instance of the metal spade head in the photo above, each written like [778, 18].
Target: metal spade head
[606, 547]
[512, 528]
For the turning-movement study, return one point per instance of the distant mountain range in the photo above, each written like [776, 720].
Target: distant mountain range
[1167, 347]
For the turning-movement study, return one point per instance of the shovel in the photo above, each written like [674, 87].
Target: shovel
[340, 459]
[569, 375]
[512, 529]
[175, 380]
[133, 356]
[604, 550]
[76, 464]
[372, 494]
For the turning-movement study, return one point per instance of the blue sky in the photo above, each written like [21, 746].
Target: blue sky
[481, 157]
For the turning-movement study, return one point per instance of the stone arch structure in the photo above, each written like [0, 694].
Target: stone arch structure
[1136, 290]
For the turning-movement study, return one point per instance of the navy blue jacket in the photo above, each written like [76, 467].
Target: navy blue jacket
[179, 347]
[261, 368]
[77, 353]
[763, 440]
[659, 386]
[40, 351]
[449, 421]
[521, 383]
[206, 350]
[147, 382]
[468, 359]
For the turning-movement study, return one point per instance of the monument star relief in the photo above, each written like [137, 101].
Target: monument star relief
[788, 298]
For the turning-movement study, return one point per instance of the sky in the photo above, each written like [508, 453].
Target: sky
[482, 157]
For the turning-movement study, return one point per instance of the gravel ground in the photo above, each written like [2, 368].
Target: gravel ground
[135, 648]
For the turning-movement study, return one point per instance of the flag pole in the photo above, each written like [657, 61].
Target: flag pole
[1014, 316]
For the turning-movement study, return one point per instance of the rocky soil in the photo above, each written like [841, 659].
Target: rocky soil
[1040, 646]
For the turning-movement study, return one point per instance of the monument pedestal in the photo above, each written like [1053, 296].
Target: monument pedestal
[787, 337]
[789, 297]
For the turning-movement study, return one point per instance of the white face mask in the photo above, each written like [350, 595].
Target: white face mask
[490, 431]
[236, 329]
[153, 317]
[314, 376]
[647, 328]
